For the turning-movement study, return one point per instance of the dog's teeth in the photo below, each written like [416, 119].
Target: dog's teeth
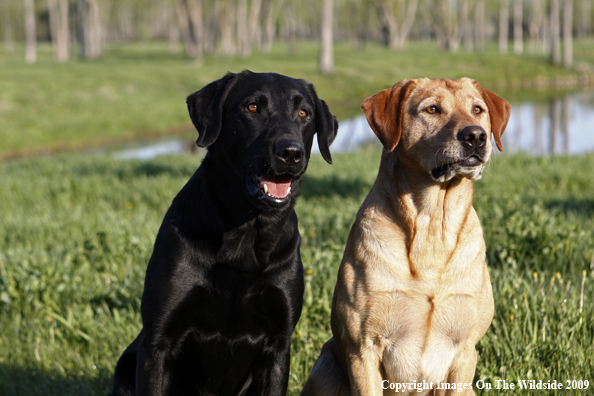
[265, 189]
[289, 190]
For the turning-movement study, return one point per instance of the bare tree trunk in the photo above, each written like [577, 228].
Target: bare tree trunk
[440, 32]
[8, 30]
[518, 37]
[545, 35]
[292, 32]
[291, 27]
[184, 28]
[80, 15]
[407, 24]
[243, 39]
[227, 23]
[409, 19]
[94, 32]
[554, 31]
[269, 19]
[326, 44]
[90, 31]
[53, 11]
[479, 22]
[584, 18]
[448, 25]
[364, 25]
[64, 31]
[59, 25]
[196, 21]
[503, 25]
[567, 33]
[398, 22]
[466, 25]
[210, 27]
[30, 32]
[535, 25]
[189, 16]
[388, 20]
[254, 24]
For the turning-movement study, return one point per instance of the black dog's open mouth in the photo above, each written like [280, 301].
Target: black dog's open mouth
[471, 161]
[272, 188]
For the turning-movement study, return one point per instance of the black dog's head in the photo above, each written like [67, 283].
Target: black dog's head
[261, 126]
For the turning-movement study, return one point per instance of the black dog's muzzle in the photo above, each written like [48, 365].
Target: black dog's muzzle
[275, 185]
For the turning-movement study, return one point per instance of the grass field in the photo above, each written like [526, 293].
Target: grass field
[139, 90]
[76, 234]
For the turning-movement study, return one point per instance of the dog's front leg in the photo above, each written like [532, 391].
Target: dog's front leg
[271, 371]
[364, 370]
[152, 378]
[462, 372]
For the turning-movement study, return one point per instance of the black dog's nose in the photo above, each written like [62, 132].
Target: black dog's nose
[474, 136]
[289, 152]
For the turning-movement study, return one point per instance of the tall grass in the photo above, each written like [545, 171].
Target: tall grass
[76, 235]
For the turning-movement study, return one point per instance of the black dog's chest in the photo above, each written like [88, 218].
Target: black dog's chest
[230, 323]
[235, 303]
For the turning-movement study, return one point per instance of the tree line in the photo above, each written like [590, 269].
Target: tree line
[82, 28]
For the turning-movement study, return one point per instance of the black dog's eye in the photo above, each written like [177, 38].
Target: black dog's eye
[432, 109]
[477, 110]
[253, 107]
[302, 114]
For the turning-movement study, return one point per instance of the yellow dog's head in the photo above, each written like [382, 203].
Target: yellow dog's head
[444, 126]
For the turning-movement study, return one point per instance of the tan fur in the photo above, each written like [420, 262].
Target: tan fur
[413, 295]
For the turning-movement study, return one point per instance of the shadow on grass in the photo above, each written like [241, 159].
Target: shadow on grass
[19, 381]
[335, 185]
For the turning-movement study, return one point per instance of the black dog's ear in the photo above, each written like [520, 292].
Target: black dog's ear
[326, 126]
[206, 109]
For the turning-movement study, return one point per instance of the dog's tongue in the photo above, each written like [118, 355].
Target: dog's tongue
[278, 187]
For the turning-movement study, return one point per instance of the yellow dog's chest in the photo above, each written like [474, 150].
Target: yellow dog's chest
[423, 335]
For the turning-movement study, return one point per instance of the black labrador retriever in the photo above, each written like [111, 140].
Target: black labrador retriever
[224, 286]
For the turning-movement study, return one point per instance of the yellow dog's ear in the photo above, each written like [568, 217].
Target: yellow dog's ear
[384, 113]
[499, 111]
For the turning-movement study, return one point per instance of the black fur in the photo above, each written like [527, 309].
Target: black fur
[224, 286]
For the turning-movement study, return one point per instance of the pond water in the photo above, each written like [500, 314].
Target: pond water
[152, 150]
[564, 125]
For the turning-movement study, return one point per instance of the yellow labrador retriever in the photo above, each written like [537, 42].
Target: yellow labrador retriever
[413, 295]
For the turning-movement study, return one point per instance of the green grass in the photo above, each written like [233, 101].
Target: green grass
[139, 90]
[76, 235]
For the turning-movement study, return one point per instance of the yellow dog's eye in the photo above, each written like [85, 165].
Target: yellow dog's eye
[253, 107]
[432, 109]
[302, 114]
[477, 110]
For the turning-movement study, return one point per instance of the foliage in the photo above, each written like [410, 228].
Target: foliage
[76, 234]
[139, 90]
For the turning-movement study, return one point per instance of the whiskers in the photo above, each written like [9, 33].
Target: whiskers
[440, 157]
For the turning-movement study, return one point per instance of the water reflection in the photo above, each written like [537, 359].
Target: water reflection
[153, 150]
[562, 126]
